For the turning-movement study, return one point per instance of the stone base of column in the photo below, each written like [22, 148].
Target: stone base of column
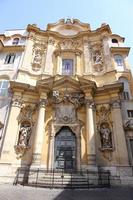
[91, 159]
[36, 160]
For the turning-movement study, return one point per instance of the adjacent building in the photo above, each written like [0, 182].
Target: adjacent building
[69, 100]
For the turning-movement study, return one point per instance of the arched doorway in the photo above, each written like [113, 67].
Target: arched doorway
[65, 149]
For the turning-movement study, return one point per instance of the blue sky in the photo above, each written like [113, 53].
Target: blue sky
[118, 14]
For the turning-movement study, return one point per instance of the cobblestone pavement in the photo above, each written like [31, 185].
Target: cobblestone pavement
[9, 192]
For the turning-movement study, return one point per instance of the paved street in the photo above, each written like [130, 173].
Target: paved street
[9, 192]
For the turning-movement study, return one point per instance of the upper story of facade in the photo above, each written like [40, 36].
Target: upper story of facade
[71, 48]
[66, 48]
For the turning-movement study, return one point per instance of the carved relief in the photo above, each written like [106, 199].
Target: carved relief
[69, 44]
[65, 114]
[39, 49]
[103, 112]
[26, 113]
[97, 57]
[25, 129]
[76, 98]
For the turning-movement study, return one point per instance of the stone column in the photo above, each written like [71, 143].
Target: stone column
[51, 149]
[39, 134]
[119, 135]
[8, 153]
[59, 67]
[91, 154]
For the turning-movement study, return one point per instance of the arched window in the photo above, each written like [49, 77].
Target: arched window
[119, 60]
[4, 87]
[114, 40]
[15, 41]
[10, 58]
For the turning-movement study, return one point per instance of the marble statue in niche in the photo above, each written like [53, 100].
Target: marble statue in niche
[105, 135]
[24, 135]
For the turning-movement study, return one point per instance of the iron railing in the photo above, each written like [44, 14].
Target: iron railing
[62, 179]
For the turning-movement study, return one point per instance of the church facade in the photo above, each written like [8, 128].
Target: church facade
[70, 99]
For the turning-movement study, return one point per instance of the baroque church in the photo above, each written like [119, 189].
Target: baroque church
[65, 100]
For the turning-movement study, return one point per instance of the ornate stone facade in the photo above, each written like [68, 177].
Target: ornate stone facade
[70, 109]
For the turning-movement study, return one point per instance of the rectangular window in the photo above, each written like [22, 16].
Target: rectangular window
[125, 95]
[10, 58]
[4, 88]
[130, 113]
[67, 67]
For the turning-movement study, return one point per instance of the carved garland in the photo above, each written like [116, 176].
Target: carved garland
[39, 49]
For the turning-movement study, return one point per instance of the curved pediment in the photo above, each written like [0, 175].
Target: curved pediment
[68, 27]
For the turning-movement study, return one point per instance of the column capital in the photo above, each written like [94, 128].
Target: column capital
[43, 103]
[115, 104]
[89, 103]
[16, 102]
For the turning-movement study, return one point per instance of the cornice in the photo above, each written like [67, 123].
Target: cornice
[18, 86]
[48, 33]
[118, 50]
[69, 22]
[110, 89]
[13, 48]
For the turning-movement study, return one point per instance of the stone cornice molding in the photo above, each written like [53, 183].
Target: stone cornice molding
[120, 50]
[12, 48]
[87, 86]
[104, 29]
[18, 86]
[109, 89]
